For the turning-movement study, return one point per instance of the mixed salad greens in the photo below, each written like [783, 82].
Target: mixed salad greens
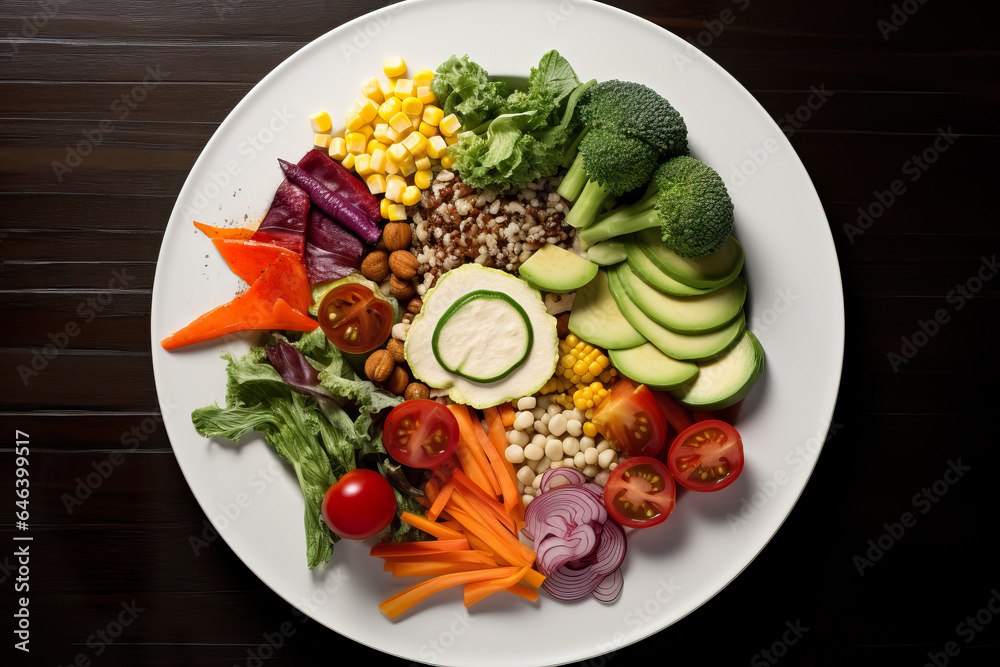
[454, 413]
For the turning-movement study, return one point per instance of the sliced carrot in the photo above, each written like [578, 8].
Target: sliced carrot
[523, 591]
[507, 414]
[454, 525]
[225, 232]
[399, 603]
[480, 472]
[431, 489]
[440, 501]
[415, 548]
[431, 527]
[432, 569]
[533, 578]
[497, 435]
[503, 543]
[480, 545]
[485, 502]
[387, 566]
[476, 591]
[470, 556]
[249, 259]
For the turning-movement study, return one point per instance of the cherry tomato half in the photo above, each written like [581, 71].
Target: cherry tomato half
[631, 419]
[640, 493]
[361, 504]
[354, 319]
[420, 433]
[708, 456]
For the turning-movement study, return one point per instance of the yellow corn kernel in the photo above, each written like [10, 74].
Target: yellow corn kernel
[412, 106]
[391, 167]
[390, 108]
[395, 136]
[416, 143]
[362, 164]
[397, 153]
[394, 189]
[449, 125]
[397, 177]
[366, 109]
[373, 145]
[372, 91]
[397, 212]
[322, 140]
[451, 140]
[436, 147]
[378, 161]
[422, 179]
[320, 122]
[353, 121]
[348, 162]
[589, 429]
[383, 207]
[411, 195]
[355, 142]
[406, 166]
[427, 130]
[414, 121]
[338, 148]
[422, 163]
[366, 130]
[388, 87]
[400, 122]
[433, 115]
[381, 133]
[404, 88]
[425, 95]
[394, 67]
[447, 162]
[423, 77]
[376, 184]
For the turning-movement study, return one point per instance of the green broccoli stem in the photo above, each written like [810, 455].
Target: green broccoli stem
[574, 180]
[633, 218]
[587, 205]
[571, 151]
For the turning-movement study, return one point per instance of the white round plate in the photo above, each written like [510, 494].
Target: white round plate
[796, 310]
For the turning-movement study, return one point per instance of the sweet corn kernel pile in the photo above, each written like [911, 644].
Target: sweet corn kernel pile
[394, 136]
[580, 375]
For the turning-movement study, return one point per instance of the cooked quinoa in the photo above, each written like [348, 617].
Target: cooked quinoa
[454, 224]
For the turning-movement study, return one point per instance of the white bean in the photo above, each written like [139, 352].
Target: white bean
[517, 438]
[525, 475]
[543, 465]
[573, 413]
[526, 403]
[579, 461]
[538, 412]
[613, 465]
[557, 425]
[591, 471]
[523, 420]
[555, 464]
[526, 499]
[568, 462]
[514, 454]
[602, 477]
[545, 418]
[540, 427]
[555, 409]
[570, 446]
[603, 445]
[586, 442]
[539, 439]
[536, 483]
[574, 427]
[591, 456]
[606, 457]
[530, 491]
[533, 452]
[554, 449]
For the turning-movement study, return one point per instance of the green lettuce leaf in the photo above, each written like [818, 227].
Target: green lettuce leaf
[462, 87]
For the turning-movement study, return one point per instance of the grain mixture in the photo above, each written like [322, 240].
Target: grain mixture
[454, 224]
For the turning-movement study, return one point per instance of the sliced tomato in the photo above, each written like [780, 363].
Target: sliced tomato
[631, 420]
[361, 504]
[354, 319]
[708, 456]
[676, 414]
[640, 493]
[420, 433]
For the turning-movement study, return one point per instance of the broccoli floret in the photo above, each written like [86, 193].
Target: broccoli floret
[688, 202]
[628, 129]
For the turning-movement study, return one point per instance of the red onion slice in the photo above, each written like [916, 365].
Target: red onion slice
[572, 475]
[572, 584]
[610, 587]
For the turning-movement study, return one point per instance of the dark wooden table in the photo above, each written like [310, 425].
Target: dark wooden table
[888, 558]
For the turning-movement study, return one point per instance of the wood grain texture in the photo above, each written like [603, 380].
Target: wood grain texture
[63, 237]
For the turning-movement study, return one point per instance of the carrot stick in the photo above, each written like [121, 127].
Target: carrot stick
[523, 591]
[432, 569]
[475, 592]
[440, 501]
[504, 544]
[507, 414]
[470, 453]
[479, 545]
[387, 566]
[533, 578]
[415, 548]
[498, 437]
[485, 502]
[471, 556]
[430, 527]
[451, 523]
[400, 602]
[432, 490]
[503, 469]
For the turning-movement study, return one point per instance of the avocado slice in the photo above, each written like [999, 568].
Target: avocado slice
[683, 314]
[709, 272]
[555, 269]
[647, 365]
[726, 378]
[607, 253]
[596, 319]
[643, 267]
